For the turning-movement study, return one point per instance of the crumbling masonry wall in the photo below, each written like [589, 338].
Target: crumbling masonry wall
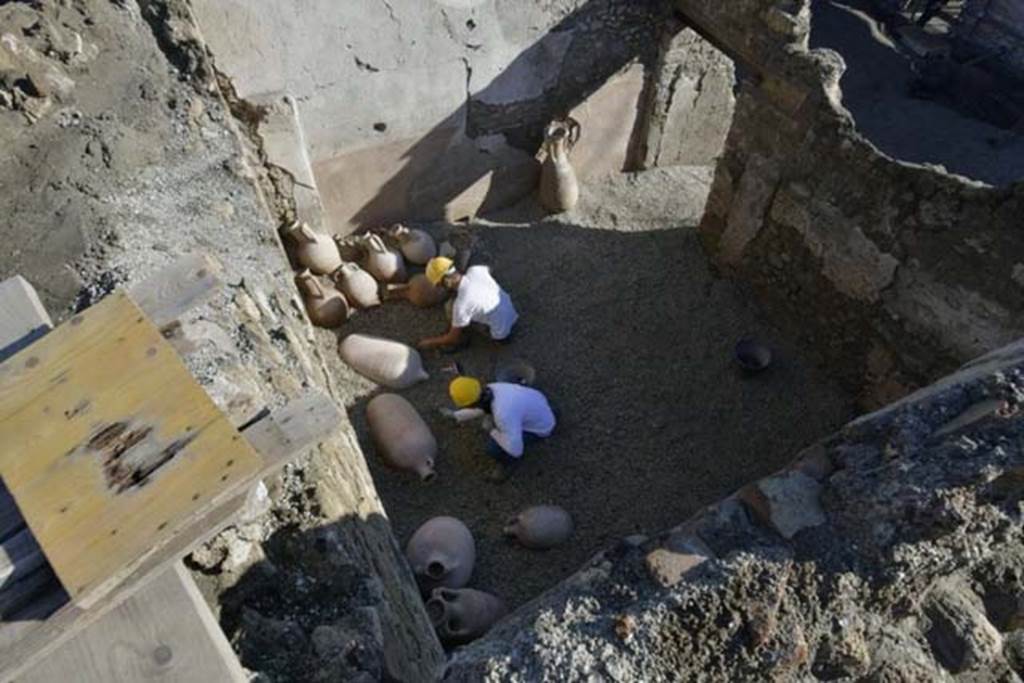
[897, 271]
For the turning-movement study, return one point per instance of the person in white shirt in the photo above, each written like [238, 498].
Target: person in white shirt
[478, 299]
[512, 415]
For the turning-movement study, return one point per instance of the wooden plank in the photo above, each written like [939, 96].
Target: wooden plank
[23, 570]
[121, 461]
[170, 293]
[300, 424]
[164, 633]
[22, 316]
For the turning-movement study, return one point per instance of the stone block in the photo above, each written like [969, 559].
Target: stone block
[693, 103]
[787, 503]
[284, 144]
[968, 323]
[680, 554]
[749, 205]
[788, 96]
[850, 261]
[784, 23]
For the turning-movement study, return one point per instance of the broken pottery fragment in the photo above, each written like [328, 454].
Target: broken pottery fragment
[441, 553]
[460, 616]
[357, 285]
[381, 261]
[752, 355]
[559, 188]
[540, 527]
[325, 305]
[416, 245]
[402, 439]
[314, 250]
[418, 291]
[386, 362]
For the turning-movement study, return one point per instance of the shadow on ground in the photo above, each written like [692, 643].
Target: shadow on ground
[632, 338]
[876, 90]
[309, 611]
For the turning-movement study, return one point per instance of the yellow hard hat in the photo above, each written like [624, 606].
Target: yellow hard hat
[437, 267]
[465, 391]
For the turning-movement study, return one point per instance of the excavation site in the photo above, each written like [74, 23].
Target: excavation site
[511, 340]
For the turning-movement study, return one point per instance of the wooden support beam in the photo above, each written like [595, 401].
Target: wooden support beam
[165, 633]
[178, 288]
[277, 438]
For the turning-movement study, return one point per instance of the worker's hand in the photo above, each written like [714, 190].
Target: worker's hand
[487, 424]
[447, 413]
[425, 344]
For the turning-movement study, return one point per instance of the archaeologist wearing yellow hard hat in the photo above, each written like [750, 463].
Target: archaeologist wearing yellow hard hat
[513, 415]
[478, 299]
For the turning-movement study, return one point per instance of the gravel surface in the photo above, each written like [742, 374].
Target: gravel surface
[631, 335]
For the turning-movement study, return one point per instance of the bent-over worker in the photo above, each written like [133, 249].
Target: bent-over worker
[513, 415]
[478, 299]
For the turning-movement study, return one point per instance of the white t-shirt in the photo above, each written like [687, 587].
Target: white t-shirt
[517, 409]
[481, 300]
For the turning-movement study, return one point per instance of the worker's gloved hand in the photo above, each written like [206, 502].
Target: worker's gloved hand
[447, 413]
[487, 423]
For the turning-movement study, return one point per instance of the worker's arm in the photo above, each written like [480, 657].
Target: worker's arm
[467, 414]
[450, 338]
[463, 415]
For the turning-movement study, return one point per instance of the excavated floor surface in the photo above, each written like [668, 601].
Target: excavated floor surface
[631, 335]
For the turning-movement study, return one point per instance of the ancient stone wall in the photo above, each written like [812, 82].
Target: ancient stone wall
[691, 101]
[427, 110]
[897, 271]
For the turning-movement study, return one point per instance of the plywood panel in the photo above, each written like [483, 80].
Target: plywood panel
[109, 446]
[163, 633]
[28, 639]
